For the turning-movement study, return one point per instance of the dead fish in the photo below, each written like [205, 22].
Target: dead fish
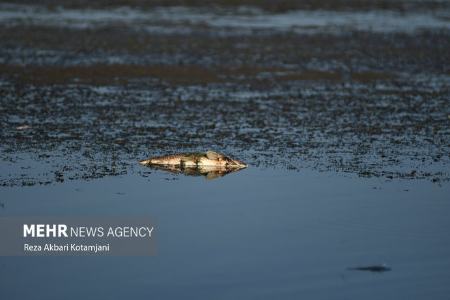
[374, 268]
[195, 160]
[209, 164]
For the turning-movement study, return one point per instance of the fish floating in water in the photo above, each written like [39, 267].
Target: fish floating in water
[209, 164]
[196, 159]
[374, 268]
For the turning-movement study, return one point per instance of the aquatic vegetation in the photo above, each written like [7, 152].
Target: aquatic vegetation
[375, 104]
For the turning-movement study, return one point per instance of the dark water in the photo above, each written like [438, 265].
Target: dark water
[341, 109]
[249, 235]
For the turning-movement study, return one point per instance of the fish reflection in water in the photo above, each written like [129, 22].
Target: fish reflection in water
[209, 172]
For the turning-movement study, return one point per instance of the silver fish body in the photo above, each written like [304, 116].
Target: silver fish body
[195, 160]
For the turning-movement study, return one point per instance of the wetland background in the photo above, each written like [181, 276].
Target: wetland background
[341, 109]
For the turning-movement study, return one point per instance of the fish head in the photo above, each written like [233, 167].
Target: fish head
[226, 161]
[234, 163]
[145, 162]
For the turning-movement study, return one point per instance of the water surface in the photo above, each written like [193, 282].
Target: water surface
[252, 234]
[341, 109]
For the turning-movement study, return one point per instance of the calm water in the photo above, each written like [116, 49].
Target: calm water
[345, 87]
[256, 234]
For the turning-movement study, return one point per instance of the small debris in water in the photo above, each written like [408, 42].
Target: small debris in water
[23, 127]
[373, 268]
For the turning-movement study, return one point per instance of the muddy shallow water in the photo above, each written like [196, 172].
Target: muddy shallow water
[87, 92]
[340, 108]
